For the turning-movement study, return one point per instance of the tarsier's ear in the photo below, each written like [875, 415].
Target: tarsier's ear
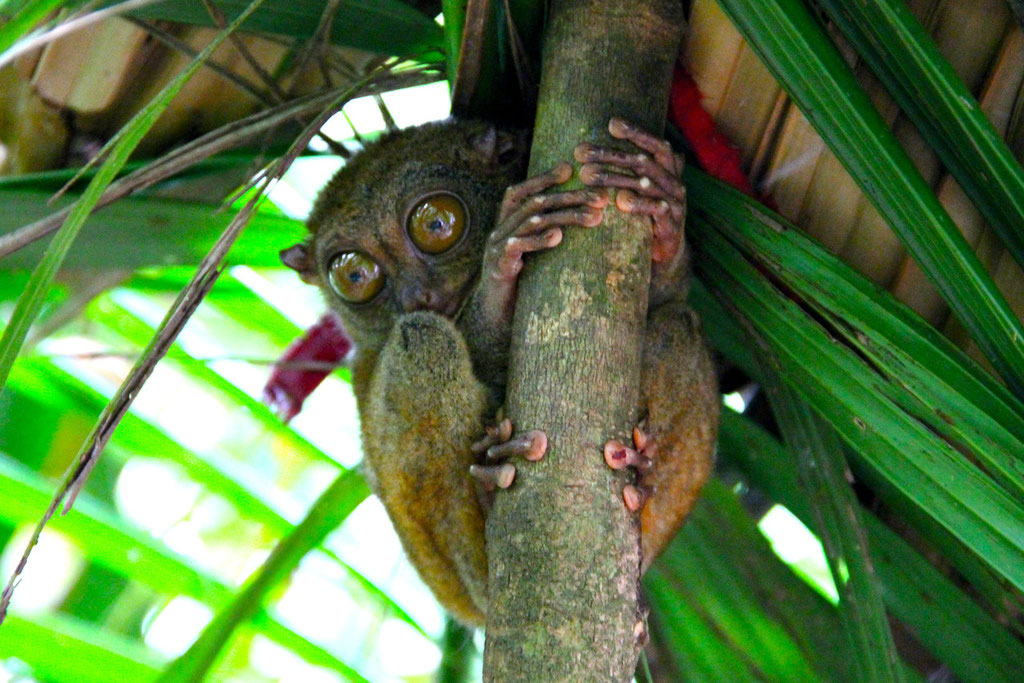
[495, 147]
[484, 145]
[299, 259]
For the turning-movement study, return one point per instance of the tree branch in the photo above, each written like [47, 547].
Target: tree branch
[563, 552]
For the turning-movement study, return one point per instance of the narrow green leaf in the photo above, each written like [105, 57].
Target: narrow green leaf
[457, 650]
[720, 575]
[109, 541]
[333, 506]
[810, 68]
[945, 620]
[247, 494]
[696, 650]
[837, 515]
[138, 437]
[129, 136]
[60, 648]
[926, 469]
[902, 54]
[104, 537]
[388, 27]
[923, 372]
[136, 331]
[454, 18]
[25, 17]
[164, 232]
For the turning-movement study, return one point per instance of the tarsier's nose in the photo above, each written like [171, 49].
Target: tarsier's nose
[418, 298]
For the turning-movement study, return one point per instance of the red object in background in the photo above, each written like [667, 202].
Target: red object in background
[324, 344]
[714, 152]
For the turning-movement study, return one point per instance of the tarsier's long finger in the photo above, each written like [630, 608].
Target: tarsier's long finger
[527, 219]
[668, 221]
[515, 194]
[602, 166]
[656, 160]
[510, 259]
[658, 148]
[511, 250]
[531, 445]
[498, 433]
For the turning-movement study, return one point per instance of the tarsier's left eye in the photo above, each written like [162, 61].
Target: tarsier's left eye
[355, 277]
[437, 223]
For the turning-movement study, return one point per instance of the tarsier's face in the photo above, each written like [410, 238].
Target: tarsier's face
[420, 250]
[434, 226]
[403, 226]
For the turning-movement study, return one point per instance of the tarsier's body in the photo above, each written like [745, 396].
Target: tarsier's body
[419, 253]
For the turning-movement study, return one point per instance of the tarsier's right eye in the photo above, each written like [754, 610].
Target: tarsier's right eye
[436, 223]
[355, 277]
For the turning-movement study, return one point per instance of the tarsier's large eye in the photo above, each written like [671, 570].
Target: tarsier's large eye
[437, 223]
[355, 277]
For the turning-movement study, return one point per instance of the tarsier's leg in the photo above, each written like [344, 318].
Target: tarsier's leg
[678, 436]
[424, 410]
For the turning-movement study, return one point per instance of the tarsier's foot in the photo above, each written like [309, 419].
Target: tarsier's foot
[619, 455]
[648, 183]
[497, 446]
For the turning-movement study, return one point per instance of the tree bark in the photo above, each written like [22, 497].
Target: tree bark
[563, 552]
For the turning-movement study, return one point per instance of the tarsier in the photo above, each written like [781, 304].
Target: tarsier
[417, 244]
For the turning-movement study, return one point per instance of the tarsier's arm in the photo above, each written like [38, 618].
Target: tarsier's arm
[529, 220]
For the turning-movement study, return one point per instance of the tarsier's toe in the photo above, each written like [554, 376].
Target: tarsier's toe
[495, 434]
[494, 476]
[497, 446]
[530, 445]
[635, 496]
[640, 436]
[618, 455]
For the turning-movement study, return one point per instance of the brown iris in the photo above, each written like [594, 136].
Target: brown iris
[355, 277]
[437, 223]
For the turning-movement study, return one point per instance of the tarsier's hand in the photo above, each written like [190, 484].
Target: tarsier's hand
[648, 184]
[528, 221]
